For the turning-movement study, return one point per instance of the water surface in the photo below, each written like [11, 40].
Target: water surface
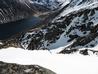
[9, 29]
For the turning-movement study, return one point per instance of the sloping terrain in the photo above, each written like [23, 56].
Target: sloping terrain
[13, 10]
[68, 29]
[74, 24]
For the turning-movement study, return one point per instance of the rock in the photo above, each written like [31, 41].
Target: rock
[10, 68]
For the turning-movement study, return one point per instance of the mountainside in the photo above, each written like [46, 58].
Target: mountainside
[50, 4]
[73, 24]
[60, 37]
[13, 10]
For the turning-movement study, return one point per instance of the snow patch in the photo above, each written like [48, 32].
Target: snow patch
[1, 43]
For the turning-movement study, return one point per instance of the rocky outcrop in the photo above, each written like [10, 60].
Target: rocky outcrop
[9, 68]
[11, 42]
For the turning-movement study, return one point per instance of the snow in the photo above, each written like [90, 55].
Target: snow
[52, 4]
[1, 43]
[65, 2]
[61, 42]
[59, 63]
[27, 70]
[94, 48]
[79, 7]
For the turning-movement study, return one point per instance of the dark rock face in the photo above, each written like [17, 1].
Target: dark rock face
[13, 41]
[9, 68]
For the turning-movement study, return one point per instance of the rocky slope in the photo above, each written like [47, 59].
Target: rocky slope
[9, 68]
[13, 10]
[73, 25]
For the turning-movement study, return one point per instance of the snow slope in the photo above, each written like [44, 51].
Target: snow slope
[59, 63]
[51, 4]
[76, 5]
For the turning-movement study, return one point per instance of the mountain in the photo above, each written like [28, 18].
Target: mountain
[13, 10]
[68, 28]
[71, 24]
[50, 4]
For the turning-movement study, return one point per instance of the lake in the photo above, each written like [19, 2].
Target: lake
[9, 29]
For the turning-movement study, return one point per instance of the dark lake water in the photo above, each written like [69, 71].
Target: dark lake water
[9, 29]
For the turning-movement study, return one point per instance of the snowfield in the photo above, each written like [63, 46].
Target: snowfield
[59, 63]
